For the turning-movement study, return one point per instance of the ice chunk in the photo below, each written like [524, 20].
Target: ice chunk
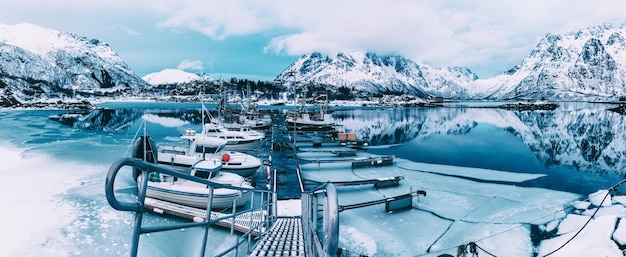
[594, 240]
[598, 197]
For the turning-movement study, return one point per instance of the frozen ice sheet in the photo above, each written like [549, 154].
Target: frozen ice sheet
[462, 205]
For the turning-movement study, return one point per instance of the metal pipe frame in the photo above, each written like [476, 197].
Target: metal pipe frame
[138, 206]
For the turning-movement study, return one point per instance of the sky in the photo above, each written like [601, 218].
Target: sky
[258, 39]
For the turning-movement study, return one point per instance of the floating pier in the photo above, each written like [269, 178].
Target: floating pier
[242, 222]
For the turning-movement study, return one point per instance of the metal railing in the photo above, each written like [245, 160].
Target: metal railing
[267, 204]
[320, 227]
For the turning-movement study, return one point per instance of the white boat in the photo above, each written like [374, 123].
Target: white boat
[196, 194]
[242, 139]
[247, 116]
[251, 120]
[303, 119]
[196, 147]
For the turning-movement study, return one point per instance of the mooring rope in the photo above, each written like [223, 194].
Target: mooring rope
[471, 244]
[590, 218]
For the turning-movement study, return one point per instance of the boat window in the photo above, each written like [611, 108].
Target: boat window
[205, 174]
[206, 149]
[210, 149]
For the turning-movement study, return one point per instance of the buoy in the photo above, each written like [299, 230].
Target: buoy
[225, 157]
[267, 172]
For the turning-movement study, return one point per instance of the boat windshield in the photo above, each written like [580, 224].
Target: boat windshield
[208, 149]
[205, 174]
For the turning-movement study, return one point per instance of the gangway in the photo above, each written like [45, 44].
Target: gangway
[263, 230]
[285, 238]
[272, 235]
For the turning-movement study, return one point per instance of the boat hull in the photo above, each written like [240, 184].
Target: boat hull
[197, 197]
[238, 163]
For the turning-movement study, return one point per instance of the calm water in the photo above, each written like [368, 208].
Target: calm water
[579, 146]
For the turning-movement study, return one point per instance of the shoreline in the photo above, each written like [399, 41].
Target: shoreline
[525, 105]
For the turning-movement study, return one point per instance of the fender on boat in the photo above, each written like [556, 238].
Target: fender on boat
[225, 157]
[145, 149]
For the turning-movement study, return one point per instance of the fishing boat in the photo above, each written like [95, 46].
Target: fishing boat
[304, 119]
[194, 194]
[241, 140]
[247, 116]
[194, 147]
[251, 120]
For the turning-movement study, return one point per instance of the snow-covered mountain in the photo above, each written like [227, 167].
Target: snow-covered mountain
[585, 64]
[379, 74]
[174, 76]
[39, 64]
[582, 65]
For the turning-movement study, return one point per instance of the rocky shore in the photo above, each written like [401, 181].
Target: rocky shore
[529, 106]
[59, 105]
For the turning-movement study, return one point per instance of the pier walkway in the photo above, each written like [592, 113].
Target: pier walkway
[284, 238]
[265, 229]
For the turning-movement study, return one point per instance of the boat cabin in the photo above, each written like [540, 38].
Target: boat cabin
[206, 169]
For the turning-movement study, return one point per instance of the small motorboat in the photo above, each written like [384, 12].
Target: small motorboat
[196, 194]
[240, 140]
[196, 147]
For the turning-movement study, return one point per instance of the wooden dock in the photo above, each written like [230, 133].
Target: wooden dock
[243, 223]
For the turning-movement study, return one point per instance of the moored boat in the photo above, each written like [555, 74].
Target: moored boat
[242, 139]
[196, 194]
[198, 147]
[303, 119]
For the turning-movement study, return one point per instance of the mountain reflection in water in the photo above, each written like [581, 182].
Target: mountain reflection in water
[580, 146]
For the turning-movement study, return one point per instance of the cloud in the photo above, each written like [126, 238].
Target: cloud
[440, 32]
[130, 31]
[190, 65]
[490, 35]
[217, 19]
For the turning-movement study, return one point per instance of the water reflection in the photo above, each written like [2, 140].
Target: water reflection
[583, 136]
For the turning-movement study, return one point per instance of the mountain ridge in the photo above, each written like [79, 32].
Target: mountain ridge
[40, 64]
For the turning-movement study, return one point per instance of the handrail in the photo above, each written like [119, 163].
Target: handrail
[268, 204]
[327, 244]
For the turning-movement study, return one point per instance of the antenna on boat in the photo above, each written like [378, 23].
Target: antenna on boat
[295, 106]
